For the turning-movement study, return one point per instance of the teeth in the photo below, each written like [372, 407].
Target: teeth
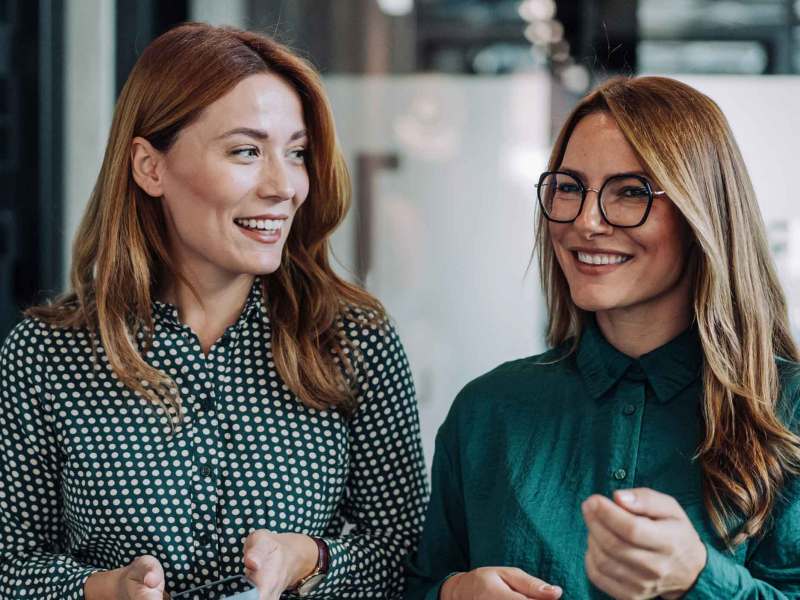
[602, 259]
[261, 224]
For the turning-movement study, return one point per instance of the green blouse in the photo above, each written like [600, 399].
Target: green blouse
[91, 475]
[525, 444]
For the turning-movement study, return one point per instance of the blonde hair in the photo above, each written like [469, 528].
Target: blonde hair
[686, 146]
[120, 255]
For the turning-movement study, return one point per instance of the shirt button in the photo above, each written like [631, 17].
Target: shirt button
[204, 539]
[628, 410]
[620, 474]
[205, 471]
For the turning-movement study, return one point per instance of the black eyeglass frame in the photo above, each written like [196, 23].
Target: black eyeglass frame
[651, 194]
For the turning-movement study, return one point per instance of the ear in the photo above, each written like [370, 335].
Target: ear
[147, 165]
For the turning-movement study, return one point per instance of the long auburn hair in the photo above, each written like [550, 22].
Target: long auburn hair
[686, 146]
[120, 255]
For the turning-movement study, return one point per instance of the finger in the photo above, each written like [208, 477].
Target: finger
[649, 503]
[528, 585]
[630, 564]
[632, 529]
[614, 587]
[634, 557]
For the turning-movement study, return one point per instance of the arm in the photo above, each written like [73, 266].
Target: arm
[387, 490]
[772, 569]
[32, 559]
[443, 549]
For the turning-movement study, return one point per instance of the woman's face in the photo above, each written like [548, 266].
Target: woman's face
[646, 265]
[234, 179]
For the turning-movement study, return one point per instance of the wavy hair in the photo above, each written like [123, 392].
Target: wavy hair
[120, 256]
[686, 146]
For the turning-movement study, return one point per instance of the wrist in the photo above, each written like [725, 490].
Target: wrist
[448, 589]
[692, 574]
[305, 555]
[102, 585]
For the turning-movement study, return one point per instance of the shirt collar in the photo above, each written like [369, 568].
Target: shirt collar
[668, 369]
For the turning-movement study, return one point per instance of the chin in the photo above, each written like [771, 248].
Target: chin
[592, 303]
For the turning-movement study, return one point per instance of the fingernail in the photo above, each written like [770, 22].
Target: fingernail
[626, 498]
[549, 588]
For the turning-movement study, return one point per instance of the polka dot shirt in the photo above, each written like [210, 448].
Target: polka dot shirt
[91, 475]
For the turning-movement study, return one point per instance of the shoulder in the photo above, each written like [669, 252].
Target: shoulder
[32, 340]
[513, 382]
[26, 338]
[369, 333]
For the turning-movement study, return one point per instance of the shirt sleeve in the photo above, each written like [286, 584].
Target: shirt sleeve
[32, 560]
[443, 549]
[772, 569]
[387, 487]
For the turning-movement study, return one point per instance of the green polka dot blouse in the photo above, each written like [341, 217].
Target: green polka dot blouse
[91, 475]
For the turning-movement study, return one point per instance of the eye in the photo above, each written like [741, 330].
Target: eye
[298, 154]
[248, 152]
[568, 188]
[634, 192]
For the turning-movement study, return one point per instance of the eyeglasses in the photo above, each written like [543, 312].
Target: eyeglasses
[625, 200]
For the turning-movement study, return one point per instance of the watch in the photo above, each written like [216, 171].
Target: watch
[310, 582]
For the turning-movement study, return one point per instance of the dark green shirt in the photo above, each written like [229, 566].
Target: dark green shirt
[525, 444]
[91, 475]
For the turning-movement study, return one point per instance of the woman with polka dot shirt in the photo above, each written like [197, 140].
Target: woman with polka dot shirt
[210, 399]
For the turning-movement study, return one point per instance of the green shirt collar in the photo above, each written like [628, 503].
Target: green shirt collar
[668, 369]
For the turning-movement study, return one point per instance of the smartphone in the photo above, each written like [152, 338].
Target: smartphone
[231, 588]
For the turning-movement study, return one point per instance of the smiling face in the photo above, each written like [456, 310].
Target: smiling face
[640, 270]
[233, 180]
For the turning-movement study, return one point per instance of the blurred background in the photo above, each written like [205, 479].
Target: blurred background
[446, 110]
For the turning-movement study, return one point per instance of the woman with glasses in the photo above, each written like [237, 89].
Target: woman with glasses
[211, 400]
[653, 450]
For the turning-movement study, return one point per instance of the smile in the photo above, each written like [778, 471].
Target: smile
[591, 258]
[268, 225]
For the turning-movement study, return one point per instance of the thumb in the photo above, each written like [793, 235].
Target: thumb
[531, 587]
[648, 503]
[147, 570]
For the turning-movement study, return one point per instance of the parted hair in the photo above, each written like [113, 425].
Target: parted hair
[687, 148]
[120, 258]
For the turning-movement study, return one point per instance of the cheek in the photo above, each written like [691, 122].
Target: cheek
[557, 232]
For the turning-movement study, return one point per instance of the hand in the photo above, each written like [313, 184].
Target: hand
[497, 583]
[642, 545]
[275, 562]
[142, 579]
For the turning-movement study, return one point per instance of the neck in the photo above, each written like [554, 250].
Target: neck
[638, 330]
[216, 306]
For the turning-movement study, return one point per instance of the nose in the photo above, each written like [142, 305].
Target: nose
[590, 221]
[276, 182]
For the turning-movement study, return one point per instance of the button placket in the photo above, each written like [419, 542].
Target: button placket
[206, 444]
[629, 411]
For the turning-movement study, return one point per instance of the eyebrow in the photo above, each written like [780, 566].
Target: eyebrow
[260, 134]
[582, 175]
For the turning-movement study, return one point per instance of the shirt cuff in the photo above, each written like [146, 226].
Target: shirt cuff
[720, 578]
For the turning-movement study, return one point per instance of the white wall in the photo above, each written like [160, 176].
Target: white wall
[219, 12]
[763, 114]
[453, 225]
[88, 104]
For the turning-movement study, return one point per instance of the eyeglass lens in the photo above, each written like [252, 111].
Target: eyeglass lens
[624, 199]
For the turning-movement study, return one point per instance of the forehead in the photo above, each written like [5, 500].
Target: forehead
[597, 146]
[263, 100]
